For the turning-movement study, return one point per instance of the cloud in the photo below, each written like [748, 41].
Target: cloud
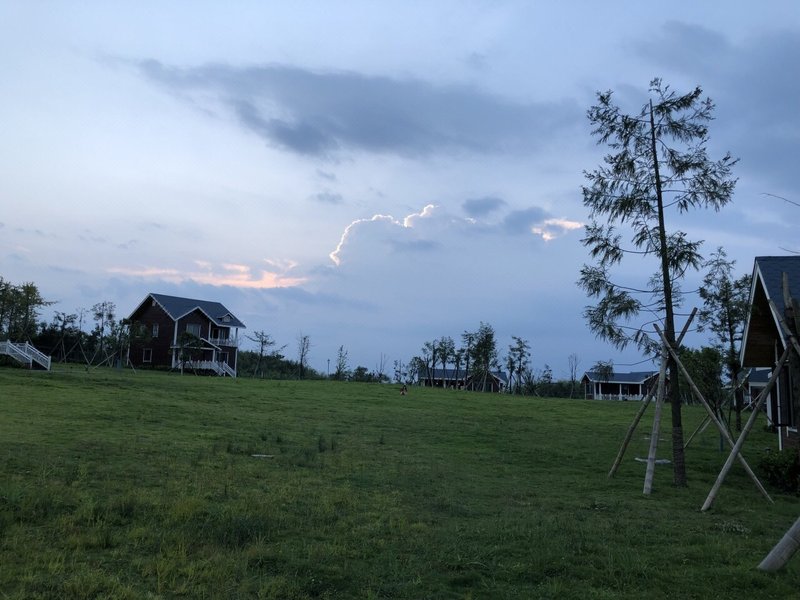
[328, 198]
[481, 207]
[229, 274]
[322, 113]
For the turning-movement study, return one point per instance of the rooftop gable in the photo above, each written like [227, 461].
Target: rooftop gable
[177, 307]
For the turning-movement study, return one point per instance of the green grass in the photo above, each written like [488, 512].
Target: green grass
[122, 485]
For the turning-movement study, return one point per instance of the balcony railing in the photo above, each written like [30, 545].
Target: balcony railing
[230, 342]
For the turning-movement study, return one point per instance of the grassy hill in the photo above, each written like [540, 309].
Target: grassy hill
[148, 485]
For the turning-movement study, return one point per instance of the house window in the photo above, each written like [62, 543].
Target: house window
[155, 330]
[147, 355]
[193, 328]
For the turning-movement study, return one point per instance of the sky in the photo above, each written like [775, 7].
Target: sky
[373, 175]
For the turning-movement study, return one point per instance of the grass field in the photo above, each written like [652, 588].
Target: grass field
[123, 485]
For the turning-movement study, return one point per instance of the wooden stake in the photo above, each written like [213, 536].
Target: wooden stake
[783, 550]
[651, 456]
[723, 430]
[740, 442]
[646, 402]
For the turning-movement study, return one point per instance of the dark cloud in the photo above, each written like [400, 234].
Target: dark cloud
[521, 221]
[755, 88]
[328, 198]
[321, 113]
[325, 175]
[480, 207]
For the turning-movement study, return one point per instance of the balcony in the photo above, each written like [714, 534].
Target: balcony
[228, 341]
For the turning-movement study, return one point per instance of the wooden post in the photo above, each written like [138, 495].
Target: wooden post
[651, 456]
[646, 401]
[634, 425]
[740, 442]
[710, 412]
[783, 550]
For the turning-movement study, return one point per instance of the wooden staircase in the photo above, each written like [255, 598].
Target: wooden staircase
[26, 354]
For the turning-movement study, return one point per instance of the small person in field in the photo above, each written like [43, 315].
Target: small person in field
[403, 390]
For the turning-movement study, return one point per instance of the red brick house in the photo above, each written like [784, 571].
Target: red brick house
[185, 333]
[765, 341]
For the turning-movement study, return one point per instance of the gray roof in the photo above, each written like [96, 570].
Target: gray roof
[634, 377]
[450, 374]
[771, 269]
[177, 307]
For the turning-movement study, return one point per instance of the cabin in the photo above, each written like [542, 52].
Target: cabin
[618, 386]
[765, 340]
[183, 333]
[460, 379]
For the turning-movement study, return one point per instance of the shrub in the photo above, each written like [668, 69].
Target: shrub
[782, 469]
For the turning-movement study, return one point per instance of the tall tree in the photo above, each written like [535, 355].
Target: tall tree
[303, 350]
[264, 342]
[517, 360]
[658, 162]
[574, 363]
[724, 312]
[446, 348]
[342, 369]
[468, 339]
[484, 354]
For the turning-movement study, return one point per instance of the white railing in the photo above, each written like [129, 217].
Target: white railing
[25, 353]
[229, 342]
[220, 368]
[36, 355]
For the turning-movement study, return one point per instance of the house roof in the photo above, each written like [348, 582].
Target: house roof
[450, 374]
[177, 307]
[762, 328]
[633, 377]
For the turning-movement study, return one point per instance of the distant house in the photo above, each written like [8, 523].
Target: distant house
[764, 340]
[618, 386]
[185, 333]
[496, 381]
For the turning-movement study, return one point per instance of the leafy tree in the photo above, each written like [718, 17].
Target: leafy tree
[468, 340]
[705, 368]
[342, 370]
[724, 312]
[445, 348]
[20, 306]
[104, 315]
[516, 361]
[484, 355]
[658, 162]
[429, 350]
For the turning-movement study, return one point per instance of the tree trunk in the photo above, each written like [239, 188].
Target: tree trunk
[678, 459]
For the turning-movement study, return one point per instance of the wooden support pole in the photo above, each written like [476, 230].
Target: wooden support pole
[783, 550]
[713, 417]
[700, 429]
[740, 442]
[651, 455]
[646, 402]
[631, 430]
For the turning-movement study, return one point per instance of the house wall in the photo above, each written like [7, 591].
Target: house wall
[149, 315]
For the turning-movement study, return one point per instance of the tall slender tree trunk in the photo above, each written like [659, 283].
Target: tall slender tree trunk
[678, 460]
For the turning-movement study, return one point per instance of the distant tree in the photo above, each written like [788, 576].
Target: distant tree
[20, 307]
[658, 161]
[484, 354]
[468, 340]
[573, 362]
[342, 371]
[264, 342]
[516, 361]
[704, 366]
[400, 371]
[104, 315]
[380, 368]
[724, 312]
[416, 366]
[303, 350]
[458, 357]
[604, 369]
[446, 348]
[429, 350]
[190, 348]
[545, 383]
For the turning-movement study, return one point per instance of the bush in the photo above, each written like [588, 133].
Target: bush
[782, 469]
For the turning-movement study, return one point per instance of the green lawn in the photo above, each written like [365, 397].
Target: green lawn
[123, 485]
